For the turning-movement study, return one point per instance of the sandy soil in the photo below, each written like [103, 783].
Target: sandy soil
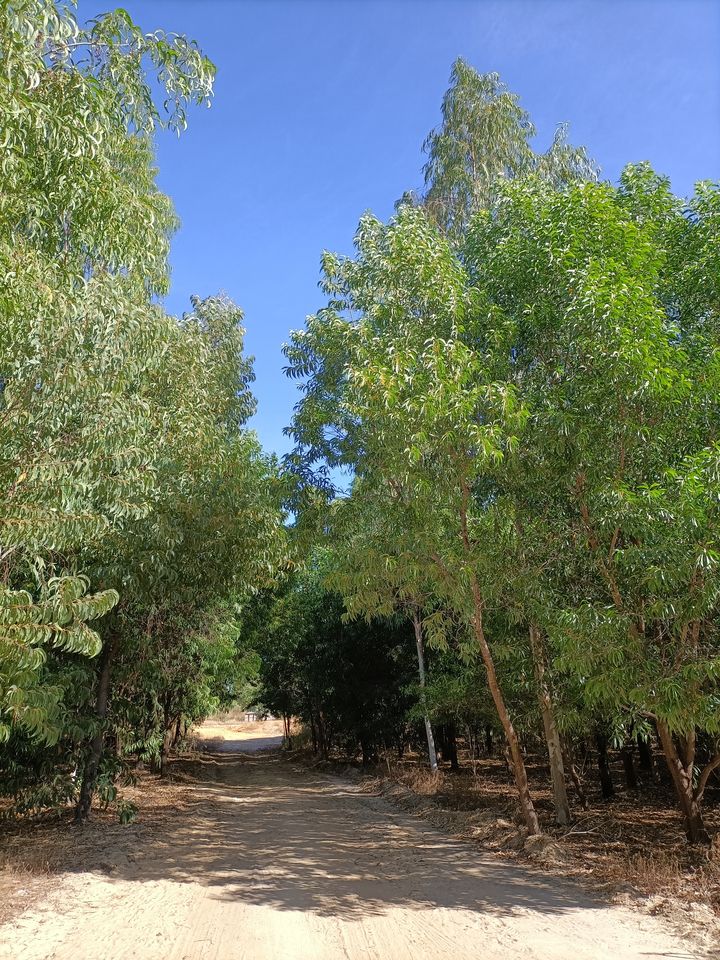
[238, 736]
[262, 860]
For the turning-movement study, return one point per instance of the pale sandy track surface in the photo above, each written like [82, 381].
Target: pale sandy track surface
[277, 863]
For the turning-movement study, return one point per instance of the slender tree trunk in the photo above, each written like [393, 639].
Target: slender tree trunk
[552, 737]
[569, 765]
[167, 733]
[606, 784]
[629, 766]
[645, 757]
[313, 732]
[92, 763]
[681, 770]
[165, 748]
[286, 731]
[488, 740]
[527, 807]
[322, 737]
[178, 734]
[417, 626]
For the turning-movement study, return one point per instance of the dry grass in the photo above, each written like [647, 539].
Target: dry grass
[215, 728]
[233, 715]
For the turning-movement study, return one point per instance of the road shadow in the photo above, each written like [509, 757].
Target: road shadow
[262, 831]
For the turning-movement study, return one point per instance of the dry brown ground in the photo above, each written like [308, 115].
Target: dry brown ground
[631, 848]
[248, 857]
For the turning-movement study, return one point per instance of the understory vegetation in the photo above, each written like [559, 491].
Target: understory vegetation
[496, 533]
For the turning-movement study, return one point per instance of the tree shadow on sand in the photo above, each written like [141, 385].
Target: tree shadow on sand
[266, 833]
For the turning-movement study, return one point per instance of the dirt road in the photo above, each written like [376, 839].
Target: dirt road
[277, 863]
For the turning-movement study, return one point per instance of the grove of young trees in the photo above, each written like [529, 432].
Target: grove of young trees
[520, 374]
[137, 506]
[516, 377]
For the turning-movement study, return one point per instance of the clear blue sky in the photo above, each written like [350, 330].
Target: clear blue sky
[321, 109]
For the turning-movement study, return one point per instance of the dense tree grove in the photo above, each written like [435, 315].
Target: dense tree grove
[517, 377]
[136, 504]
[524, 389]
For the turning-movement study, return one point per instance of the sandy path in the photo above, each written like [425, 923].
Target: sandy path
[281, 864]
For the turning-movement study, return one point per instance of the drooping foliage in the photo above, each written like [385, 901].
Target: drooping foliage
[136, 503]
[485, 139]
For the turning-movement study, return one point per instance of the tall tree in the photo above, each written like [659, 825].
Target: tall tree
[405, 401]
[484, 139]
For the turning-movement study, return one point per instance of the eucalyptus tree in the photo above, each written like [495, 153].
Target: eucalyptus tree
[485, 139]
[78, 330]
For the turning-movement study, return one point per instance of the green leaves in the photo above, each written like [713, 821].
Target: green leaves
[483, 141]
[126, 468]
[555, 384]
[59, 618]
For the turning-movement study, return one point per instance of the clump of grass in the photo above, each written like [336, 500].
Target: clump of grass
[656, 872]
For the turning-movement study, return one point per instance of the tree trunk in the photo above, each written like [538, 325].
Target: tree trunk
[92, 763]
[432, 755]
[629, 766]
[449, 748]
[527, 807]
[488, 740]
[606, 784]
[645, 757]
[472, 742]
[681, 771]
[322, 737]
[569, 765]
[177, 736]
[552, 737]
[286, 731]
[313, 733]
[165, 748]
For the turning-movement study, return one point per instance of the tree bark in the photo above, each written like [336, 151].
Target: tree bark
[432, 755]
[645, 757]
[527, 808]
[178, 733]
[629, 766]
[286, 731]
[569, 765]
[322, 736]
[552, 737]
[313, 732]
[92, 763]
[681, 770]
[165, 748]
